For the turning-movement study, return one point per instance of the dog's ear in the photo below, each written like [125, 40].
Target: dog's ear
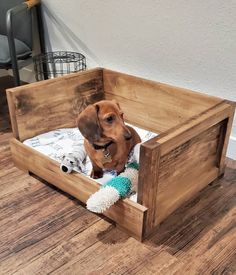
[88, 123]
[120, 111]
[118, 105]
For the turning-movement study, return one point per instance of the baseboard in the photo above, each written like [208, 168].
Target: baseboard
[231, 152]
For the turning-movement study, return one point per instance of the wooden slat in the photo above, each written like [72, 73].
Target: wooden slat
[137, 113]
[51, 104]
[186, 170]
[192, 127]
[127, 213]
[156, 105]
[148, 181]
[225, 139]
[198, 142]
[167, 181]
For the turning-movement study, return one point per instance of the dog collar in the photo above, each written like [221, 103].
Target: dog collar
[102, 147]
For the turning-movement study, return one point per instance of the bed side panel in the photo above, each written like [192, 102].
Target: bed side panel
[189, 158]
[47, 105]
[186, 170]
[155, 105]
[126, 213]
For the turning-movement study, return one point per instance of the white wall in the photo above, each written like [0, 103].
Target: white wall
[186, 43]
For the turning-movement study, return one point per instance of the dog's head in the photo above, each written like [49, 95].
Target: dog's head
[102, 122]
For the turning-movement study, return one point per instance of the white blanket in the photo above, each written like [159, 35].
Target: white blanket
[57, 143]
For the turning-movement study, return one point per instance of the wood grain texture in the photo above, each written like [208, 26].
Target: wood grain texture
[47, 105]
[159, 106]
[189, 157]
[43, 106]
[203, 239]
[148, 182]
[197, 124]
[178, 175]
[44, 231]
[225, 139]
[186, 170]
[126, 213]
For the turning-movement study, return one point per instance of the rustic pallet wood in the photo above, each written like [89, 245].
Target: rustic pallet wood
[188, 154]
[77, 185]
[35, 108]
[152, 104]
[186, 160]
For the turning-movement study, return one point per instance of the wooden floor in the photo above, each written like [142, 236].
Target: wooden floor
[44, 231]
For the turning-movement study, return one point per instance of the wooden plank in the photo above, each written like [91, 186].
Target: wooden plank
[51, 104]
[225, 139]
[193, 127]
[35, 218]
[127, 213]
[138, 114]
[198, 167]
[214, 252]
[186, 170]
[200, 230]
[159, 263]
[217, 250]
[113, 253]
[157, 105]
[61, 246]
[148, 182]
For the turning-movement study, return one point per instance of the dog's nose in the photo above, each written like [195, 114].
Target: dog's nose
[127, 135]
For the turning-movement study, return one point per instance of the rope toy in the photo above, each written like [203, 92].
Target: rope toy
[115, 189]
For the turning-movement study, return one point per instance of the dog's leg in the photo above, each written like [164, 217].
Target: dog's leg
[97, 172]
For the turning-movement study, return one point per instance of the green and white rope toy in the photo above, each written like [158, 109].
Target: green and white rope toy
[115, 189]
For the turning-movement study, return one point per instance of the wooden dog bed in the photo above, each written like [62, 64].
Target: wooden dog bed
[187, 155]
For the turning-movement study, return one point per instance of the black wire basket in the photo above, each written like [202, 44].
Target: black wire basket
[54, 64]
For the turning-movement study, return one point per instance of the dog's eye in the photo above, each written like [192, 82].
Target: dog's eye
[110, 119]
[71, 162]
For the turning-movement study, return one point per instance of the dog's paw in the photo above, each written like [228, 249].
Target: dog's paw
[96, 174]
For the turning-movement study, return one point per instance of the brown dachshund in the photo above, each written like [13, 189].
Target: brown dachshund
[108, 141]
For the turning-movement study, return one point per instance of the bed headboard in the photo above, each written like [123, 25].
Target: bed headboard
[155, 105]
[47, 105]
